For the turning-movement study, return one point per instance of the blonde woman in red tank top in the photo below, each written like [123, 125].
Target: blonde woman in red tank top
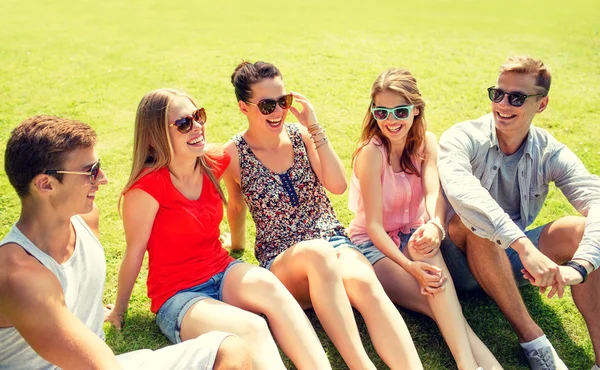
[395, 195]
[172, 208]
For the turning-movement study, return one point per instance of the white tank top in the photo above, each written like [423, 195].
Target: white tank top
[82, 280]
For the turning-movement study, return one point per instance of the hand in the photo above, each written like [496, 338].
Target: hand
[541, 270]
[570, 275]
[429, 277]
[225, 239]
[307, 117]
[117, 319]
[426, 240]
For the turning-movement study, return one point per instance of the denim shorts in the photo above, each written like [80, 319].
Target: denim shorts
[456, 260]
[373, 254]
[337, 241]
[171, 313]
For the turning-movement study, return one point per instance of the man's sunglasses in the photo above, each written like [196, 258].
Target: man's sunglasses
[267, 106]
[516, 99]
[92, 173]
[400, 112]
[185, 124]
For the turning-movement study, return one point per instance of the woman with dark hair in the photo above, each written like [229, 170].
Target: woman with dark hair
[280, 171]
[395, 195]
[172, 207]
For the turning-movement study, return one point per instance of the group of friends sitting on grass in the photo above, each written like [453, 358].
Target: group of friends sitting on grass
[430, 219]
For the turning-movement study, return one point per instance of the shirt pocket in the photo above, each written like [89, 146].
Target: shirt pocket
[537, 196]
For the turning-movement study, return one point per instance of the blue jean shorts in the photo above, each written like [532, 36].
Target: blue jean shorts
[171, 313]
[337, 241]
[456, 260]
[373, 254]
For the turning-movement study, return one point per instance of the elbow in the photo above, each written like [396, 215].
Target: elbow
[338, 188]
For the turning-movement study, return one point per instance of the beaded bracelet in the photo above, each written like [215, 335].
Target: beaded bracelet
[313, 127]
[439, 226]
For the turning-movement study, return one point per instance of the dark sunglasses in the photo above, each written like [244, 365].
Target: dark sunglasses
[516, 99]
[267, 106]
[92, 173]
[400, 112]
[185, 124]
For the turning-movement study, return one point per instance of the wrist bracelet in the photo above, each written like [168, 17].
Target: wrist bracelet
[321, 142]
[582, 270]
[439, 226]
[314, 126]
[321, 131]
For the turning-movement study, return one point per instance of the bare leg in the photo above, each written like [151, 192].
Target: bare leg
[233, 354]
[387, 329]
[209, 314]
[310, 270]
[491, 267]
[404, 290]
[255, 289]
[559, 241]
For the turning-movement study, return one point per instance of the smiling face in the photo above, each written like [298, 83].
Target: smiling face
[395, 130]
[190, 144]
[515, 121]
[75, 195]
[268, 88]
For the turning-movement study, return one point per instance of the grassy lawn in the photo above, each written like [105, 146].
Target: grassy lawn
[94, 60]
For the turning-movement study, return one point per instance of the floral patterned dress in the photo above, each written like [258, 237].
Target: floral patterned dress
[287, 207]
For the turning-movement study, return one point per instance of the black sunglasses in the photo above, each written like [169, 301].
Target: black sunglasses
[92, 173]
[185, 124]
[516, 99]
[267, 106]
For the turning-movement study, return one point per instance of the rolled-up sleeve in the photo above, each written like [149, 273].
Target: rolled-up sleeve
[582, 189]
[469, 199]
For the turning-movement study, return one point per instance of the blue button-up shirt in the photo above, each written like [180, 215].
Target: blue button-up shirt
[468, 163]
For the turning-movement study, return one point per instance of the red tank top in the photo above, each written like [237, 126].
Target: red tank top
[184, 248]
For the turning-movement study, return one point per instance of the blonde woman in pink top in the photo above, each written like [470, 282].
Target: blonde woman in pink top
[395, 195]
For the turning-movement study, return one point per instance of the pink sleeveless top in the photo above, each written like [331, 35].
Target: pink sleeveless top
[403, 202]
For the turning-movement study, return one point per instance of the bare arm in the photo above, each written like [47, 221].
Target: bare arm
[31, 298]
[236, 206]
[139, 211]
[367, 169]
[324, 161]
[429, 236]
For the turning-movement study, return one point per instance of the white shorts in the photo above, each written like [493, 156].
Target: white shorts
[196, 354]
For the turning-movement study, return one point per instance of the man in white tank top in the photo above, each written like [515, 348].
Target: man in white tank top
[52, 266]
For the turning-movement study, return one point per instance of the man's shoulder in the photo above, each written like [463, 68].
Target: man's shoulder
[478, 129]
[544, 140]
[23, 277]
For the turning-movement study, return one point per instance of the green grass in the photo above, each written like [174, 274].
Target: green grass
[93, 61]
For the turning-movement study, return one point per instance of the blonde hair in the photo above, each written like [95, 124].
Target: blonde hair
[527, 65]
[152, 148]
[403, 83]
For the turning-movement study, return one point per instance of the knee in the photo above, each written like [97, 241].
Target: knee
[254, 328]
[318, 255]
[233, 353]
[363, 287]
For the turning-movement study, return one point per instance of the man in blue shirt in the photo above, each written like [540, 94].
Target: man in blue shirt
[495, 172]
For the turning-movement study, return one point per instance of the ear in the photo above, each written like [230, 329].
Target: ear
[243, 107]
[543, 104]
[43, 183]
[417, 111]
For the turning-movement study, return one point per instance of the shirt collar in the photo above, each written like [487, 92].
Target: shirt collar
[529, 142]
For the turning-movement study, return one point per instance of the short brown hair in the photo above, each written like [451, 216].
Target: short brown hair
[40, 143]
[527, 65]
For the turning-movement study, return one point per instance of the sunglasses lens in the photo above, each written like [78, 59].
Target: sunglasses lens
[184, 125]
[94, 172]
[496, 95]
[200, 116]
[516, 99]
[380, 114]
[266, 106]
[401, 113]
[285, 101]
